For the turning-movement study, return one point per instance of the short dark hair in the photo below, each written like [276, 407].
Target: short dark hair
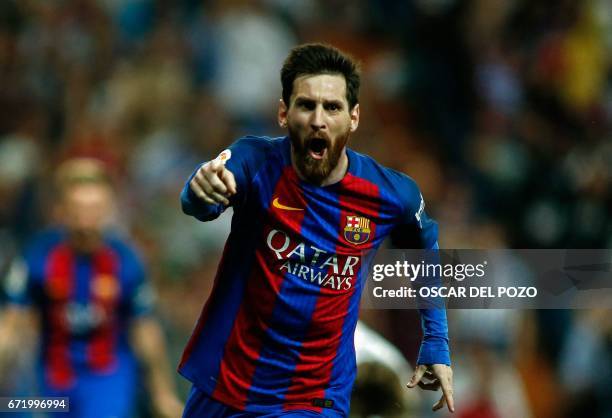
[314, 59]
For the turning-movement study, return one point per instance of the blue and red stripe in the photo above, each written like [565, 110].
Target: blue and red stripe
[329, 336]
[296, 302]
[352, 202]
[105, 294]
[59, 283]
[246, 348]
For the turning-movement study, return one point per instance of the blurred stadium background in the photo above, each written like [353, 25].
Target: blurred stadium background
[500, 109]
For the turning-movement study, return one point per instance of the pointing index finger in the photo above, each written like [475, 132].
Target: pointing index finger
[217, 165]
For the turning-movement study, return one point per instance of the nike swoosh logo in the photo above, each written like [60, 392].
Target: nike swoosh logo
[279, 205]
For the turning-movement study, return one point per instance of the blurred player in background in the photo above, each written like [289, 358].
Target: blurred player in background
[381, 368]
[87, 292]
[276, 335]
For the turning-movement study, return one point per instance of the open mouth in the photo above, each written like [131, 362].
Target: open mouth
[317, 148]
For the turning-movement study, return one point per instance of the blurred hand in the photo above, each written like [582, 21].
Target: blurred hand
[167, 405]
[18, 327]
[7, 357]
[438, 375]
[213, 183]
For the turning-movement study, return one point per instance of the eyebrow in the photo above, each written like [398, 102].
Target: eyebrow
[304, 99]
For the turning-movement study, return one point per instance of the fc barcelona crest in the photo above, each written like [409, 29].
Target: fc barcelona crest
[357, 229]
[105, 286]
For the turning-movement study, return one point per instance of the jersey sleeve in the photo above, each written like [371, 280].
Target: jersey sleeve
[434, 348]
[140, 297]
[23, 283]
[244, 159]
[417, 230]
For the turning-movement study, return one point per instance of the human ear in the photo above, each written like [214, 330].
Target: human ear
[282, 113]
[354, 117]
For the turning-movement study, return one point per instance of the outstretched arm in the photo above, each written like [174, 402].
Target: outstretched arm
[418, 231]
[433, 363]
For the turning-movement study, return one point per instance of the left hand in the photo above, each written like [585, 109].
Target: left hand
[439, 375]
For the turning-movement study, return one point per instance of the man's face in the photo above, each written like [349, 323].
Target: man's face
[86, 210]
[319, 122]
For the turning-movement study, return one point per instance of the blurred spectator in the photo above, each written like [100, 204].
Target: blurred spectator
[252, 44]
[586, 364]
[85, 291]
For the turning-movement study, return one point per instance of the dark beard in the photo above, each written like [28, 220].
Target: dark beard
[316, 171]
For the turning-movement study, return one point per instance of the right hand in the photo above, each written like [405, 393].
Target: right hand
[213, 183]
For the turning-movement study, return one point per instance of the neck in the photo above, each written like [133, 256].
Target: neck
[85, 244]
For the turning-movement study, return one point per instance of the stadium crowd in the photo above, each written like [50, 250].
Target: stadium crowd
[500, 110]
